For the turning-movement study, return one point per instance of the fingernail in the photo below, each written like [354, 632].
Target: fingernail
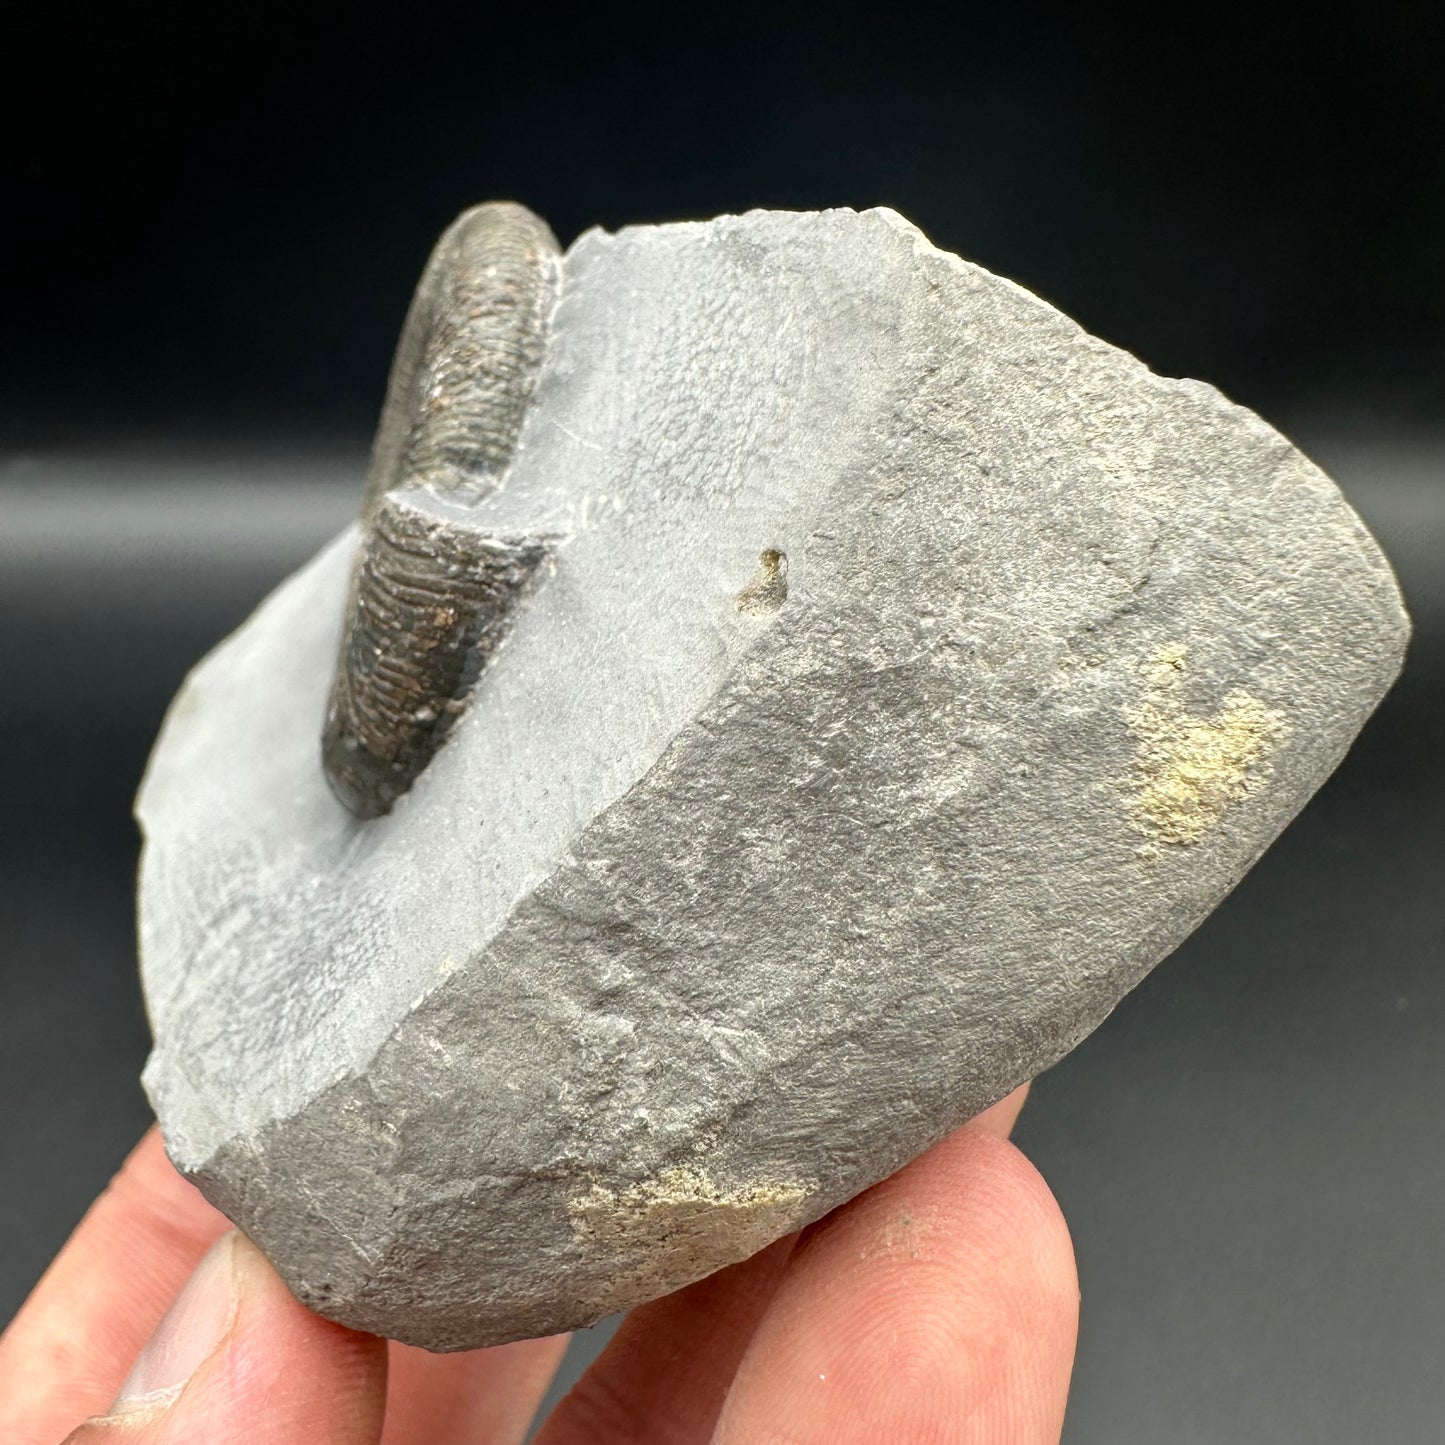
[187, 1335]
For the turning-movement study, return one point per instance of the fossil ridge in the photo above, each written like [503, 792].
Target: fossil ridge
[431, 594]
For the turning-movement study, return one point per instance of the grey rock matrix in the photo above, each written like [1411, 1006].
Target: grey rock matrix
[908, 673]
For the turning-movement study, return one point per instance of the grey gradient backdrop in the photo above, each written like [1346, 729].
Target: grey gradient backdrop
[210, 264]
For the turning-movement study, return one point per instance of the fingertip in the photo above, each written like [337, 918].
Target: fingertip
[75, 1337]
[148, 1191]
[941, 1304]
[666, 1373]
[996, 1191]
[483, 1397]
[1001, 1117]
[238, 1359]
[318, 1382]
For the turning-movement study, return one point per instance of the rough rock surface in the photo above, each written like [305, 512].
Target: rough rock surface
[914, 673]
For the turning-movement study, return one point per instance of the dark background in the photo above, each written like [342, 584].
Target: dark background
[221, 242]
[211, 240]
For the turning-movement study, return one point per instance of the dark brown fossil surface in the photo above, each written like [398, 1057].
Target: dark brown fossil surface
[432, 591]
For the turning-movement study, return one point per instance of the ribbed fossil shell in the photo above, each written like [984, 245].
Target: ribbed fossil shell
[432, 592]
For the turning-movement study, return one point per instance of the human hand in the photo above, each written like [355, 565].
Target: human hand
[939, 1306]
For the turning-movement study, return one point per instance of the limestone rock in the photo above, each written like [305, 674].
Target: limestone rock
[910, 673]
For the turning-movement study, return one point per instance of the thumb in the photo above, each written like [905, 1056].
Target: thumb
[237, 1359]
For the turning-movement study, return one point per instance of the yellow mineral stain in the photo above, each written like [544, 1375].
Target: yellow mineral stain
[668, 1231]
[768, 589]
[1188, 770]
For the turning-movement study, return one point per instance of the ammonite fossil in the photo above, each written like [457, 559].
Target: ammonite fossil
[432, 592]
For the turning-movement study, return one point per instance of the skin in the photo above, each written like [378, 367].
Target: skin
[940, 1306]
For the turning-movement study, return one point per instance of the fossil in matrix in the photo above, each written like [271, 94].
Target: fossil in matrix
[432, 591]
[785, 686]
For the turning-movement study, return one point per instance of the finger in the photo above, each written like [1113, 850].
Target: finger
[74, 1339]
[663, 1377]
[479, 1397]
[237, 1361]
[940, 1306]
[666, 1373]
[1000, 1118]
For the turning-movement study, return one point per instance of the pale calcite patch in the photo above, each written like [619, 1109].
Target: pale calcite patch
[668, 1231]
[1188, 769]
